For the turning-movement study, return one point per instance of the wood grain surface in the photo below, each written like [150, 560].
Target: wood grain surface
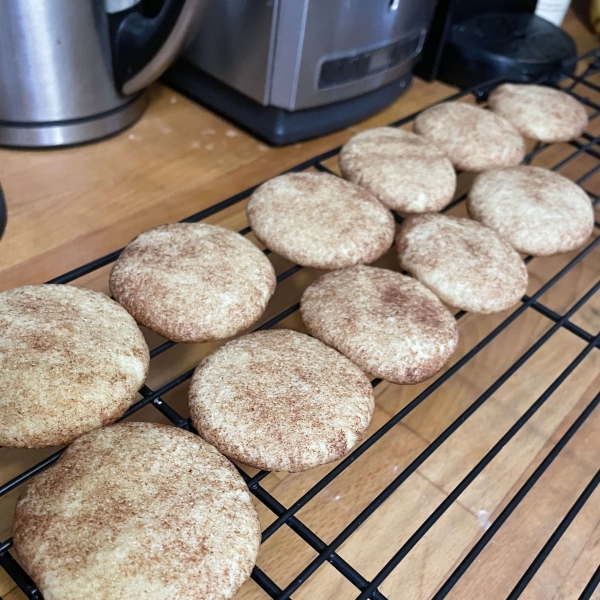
[69, 206]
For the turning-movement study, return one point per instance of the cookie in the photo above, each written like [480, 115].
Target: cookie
[192, 282]
[401, 169]
[540, 112]
[462, 262]
[71, 360]
[537, 211]
[319, 220]
[280, 400]
[389, 324]
[137, 510]
[473, 139]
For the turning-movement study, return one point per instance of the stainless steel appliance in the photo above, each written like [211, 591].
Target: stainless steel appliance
[292, 69]
[73, 70]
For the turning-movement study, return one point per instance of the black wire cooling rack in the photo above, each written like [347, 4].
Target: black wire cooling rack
[587, 66]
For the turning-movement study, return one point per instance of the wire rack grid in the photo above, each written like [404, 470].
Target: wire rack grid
[585, 151]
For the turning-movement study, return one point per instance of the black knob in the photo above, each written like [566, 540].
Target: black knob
[3, 212]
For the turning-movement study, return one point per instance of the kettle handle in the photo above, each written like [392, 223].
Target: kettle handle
[144, 47]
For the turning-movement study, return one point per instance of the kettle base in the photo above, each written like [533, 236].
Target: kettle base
[78, 131]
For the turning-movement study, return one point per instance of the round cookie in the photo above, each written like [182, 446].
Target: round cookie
[389, 324]
[192, 282]
[404, 171]
[320, 220]
[71, 360]
[537, 211]
[280, 400]
[472, 138]
[462, 262]
[137, 510]
[540, 112]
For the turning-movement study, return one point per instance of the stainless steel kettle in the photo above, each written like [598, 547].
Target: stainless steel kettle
[73, 70]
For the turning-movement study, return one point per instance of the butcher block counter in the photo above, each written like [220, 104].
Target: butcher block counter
[474, 483]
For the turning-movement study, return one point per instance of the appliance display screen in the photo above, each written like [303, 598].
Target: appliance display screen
[379, 60]
[345, 69]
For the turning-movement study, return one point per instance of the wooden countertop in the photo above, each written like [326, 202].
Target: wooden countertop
[67, 207]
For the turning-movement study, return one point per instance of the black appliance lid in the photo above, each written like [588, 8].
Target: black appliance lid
[517, 38]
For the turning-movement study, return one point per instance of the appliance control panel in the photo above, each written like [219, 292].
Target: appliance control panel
[352, 67]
